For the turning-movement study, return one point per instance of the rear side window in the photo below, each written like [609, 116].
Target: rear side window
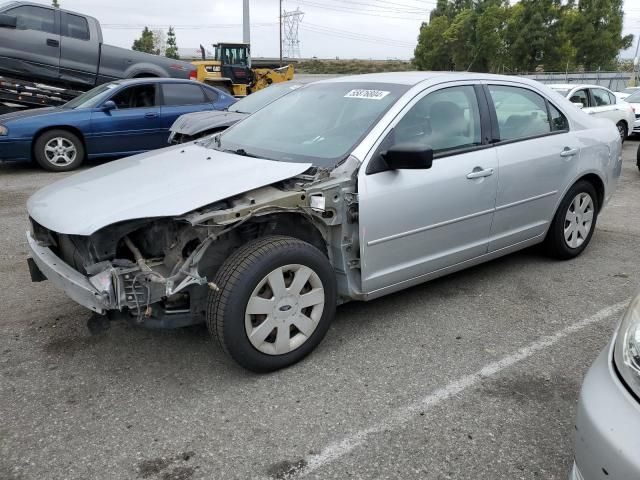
[211, 95]
[138, 96]
[182, 94]
[521, 112]
[559, 122]
[29, 17]
[75, 26]
[600, 97]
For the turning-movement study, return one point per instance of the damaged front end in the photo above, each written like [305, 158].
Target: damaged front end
[159, 271]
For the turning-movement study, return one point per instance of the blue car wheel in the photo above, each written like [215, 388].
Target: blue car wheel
[58, 151]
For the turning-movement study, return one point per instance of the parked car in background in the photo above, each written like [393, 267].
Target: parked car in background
[626, 92]
[600, 102]
[115, 119]
[608, 414]
[634, 101]
[346, 189]
[192, 126]
[55, 46]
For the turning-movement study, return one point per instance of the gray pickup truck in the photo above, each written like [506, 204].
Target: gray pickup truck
[44, 44]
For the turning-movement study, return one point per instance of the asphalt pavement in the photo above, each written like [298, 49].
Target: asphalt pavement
[472, 376]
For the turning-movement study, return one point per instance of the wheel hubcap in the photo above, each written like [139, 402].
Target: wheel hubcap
[284, 309]
[60, 151]
[578, 220]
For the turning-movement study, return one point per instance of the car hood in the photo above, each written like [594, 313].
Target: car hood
[29, 113]
[164, 183]
[193, 123]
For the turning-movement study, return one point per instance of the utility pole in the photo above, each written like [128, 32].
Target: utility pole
[246, 28]
[280, 13]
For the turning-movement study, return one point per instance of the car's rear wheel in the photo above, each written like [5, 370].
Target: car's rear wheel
[574, 222]
[622, 130]
[275, 301]
[58, 151]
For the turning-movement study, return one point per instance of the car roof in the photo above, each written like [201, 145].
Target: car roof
[571, 86]
[413, 78]
[133, 81]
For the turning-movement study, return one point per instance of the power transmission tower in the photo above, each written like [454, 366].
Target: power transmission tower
[291, 25]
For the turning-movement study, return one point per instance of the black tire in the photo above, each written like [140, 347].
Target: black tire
[236, 280]
[68, 138]
[638, 158]
[555, 243]
[623, 130]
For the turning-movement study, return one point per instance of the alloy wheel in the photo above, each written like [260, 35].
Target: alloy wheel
[60, 151]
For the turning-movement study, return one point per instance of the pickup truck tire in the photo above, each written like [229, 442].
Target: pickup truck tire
[275, 300]
[574, 222]
[58, 150]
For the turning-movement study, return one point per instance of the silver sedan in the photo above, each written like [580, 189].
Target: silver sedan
[345, 189]
[608, 418]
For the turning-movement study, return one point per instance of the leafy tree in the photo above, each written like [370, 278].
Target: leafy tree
[145, 43]
[55, 4]
[432, 53]
[172, 46]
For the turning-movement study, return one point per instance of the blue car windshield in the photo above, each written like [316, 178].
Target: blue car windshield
[93, 97]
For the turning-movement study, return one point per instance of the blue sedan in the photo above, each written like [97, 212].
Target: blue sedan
[115, 119]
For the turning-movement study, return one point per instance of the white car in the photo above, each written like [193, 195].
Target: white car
[626, 92]
[634, 101]
[601, 102]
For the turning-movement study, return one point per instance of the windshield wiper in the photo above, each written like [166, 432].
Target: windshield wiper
[241, 151]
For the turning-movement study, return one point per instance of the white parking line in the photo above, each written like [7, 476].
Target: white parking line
[402, 416]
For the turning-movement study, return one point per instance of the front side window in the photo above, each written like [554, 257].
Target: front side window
[182, 94]
[580, 97]
[138, 96]
[320, 123]
[600, 97]
[29, 17]
[444, 120]
[75, 26]
[521, 113]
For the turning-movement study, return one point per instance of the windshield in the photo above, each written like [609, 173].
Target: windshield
[634, 97]
[256, 101]
[320, 123]
[561, 90]
[93, 97]
[630, 90]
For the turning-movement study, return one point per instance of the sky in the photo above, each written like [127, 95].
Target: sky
[377, 29]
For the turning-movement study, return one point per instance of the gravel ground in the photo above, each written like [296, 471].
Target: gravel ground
[390, 393]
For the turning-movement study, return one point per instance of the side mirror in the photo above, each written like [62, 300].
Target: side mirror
[8, 21]
[408, 156]
[109, 105]
[578, 104]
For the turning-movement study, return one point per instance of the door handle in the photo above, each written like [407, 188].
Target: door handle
[569, 152]
[151, 115]
[53, 42]
[479, 173]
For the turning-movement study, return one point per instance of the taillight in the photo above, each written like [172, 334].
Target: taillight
[193, 75]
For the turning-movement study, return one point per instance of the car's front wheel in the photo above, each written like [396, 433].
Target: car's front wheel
[58, 151]
[574, 222]
[274, 302]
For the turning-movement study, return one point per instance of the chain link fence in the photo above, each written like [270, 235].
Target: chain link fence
[615, 81]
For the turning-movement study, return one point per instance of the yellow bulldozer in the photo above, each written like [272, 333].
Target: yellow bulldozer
[231, 69]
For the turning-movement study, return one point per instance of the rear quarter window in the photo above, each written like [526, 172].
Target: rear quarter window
[75, 26]
[182, 94]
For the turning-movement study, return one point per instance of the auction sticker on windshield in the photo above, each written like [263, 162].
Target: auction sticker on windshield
[367, 94]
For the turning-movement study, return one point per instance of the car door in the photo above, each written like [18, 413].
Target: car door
[415, 222]
[133, 126]
[601, 105]
[537, 156]
[32, 49]
[79, 53]
[181, 98]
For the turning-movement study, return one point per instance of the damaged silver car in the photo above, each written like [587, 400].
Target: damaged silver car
[345, 189]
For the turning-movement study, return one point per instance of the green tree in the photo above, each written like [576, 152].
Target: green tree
[596, 30]
[432, 52]
[145, 43]
[55, 4]
[172, 46]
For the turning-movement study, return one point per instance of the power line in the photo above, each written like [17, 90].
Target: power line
[344, 9]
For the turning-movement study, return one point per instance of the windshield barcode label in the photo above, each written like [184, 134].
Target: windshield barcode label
[367, 94]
